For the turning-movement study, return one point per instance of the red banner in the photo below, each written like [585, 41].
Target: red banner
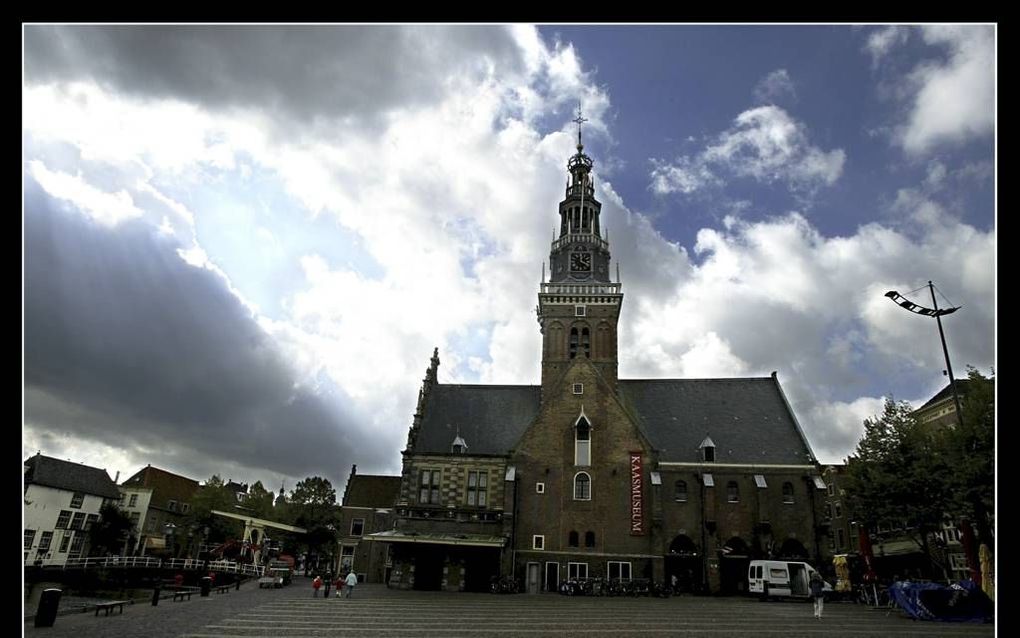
[637, 512]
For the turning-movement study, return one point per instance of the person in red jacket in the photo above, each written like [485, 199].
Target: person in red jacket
[315, 586]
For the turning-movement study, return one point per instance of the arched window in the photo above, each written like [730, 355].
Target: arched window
[582, 487]
[585, 343]
[574, 339]
[732, 492]
[589, 539]
[680, 493]
[787, 492]
[572, 541]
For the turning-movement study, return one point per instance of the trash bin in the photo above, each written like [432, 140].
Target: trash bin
[205, 584]
[47, 610]
[155, 595]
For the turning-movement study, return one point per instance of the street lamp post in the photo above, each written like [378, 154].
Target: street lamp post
[937, 313]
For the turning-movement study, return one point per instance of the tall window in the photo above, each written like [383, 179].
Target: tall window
[589, 539]
[580, 342]
[787, 492]
[572, 538]
[44, 542]
[680, 492]
[357, 527]
[77, 543]
[428, 486]
[477, 488]
[839, 511]
[347, 557]
[29, 538]
[64, 542]
[582, 487]
[842, 539]
[577, 570]
[582, 443]
[79, 521]
[63, 519]
[77, 500]
[90, 521]
[619, 569]
[732, 492]
[133, 500]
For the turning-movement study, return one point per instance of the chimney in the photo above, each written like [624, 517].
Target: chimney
[117, 478]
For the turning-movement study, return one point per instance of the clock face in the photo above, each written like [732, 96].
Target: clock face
[580, 262]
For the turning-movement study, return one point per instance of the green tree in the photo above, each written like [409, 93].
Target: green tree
[313, 505]
[111, 531]
[970, 449]
[202, 523]
[899, 473]
[260, 503]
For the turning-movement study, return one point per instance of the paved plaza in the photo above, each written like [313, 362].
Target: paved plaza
[377, 611]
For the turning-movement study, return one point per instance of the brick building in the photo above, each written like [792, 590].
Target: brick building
[157, 502]
[589, 475]
[366, 507]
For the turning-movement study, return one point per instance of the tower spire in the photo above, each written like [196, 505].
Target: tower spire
[579, 120]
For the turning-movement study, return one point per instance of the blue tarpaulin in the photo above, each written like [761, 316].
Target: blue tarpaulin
[960, 602]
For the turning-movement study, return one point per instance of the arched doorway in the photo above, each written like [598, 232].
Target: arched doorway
[793, 549]
[734, 557]
[685, 562]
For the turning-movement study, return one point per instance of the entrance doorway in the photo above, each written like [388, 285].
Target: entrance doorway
[734, 559]
[552, 576]
[428, 569]
[534, 579]
[683, 561]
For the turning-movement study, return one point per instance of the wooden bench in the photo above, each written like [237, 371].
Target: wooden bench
[179, 595]
[109, 605]
[222, 589]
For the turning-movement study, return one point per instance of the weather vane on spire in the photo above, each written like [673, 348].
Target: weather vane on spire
[580, 120]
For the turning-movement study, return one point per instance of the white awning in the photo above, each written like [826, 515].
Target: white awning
[708, 480]
[759, 480]
[511, 472]
[819, 483]
[656, 478]
[475, 540]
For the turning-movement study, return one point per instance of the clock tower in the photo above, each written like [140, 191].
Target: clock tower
[579, 307]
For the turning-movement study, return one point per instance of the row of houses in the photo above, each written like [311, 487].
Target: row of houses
[63, 499]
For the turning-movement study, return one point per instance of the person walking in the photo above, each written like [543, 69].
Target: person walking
[818, 593]
[326, 582]
[351, 581]
[315, 586]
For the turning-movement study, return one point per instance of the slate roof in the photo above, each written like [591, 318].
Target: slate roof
[490, 418]
[747, 419]
[366, 490]
[946, 393]
[73, 477]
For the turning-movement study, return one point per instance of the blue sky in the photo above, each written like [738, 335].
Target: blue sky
[243, 243]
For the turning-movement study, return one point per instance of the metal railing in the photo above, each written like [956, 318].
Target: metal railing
[97, 562]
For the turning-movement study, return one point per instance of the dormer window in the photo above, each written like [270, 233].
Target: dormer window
[582, 442]
[707, 450]
[459, 446]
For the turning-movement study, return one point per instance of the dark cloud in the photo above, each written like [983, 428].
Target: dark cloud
[301, 73]
[129, 346]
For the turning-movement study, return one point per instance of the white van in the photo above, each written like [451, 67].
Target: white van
[780, 578]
